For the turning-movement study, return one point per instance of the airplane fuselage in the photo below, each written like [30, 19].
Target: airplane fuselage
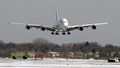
[61, 25]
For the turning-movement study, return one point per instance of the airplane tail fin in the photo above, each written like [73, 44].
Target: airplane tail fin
[57, 16]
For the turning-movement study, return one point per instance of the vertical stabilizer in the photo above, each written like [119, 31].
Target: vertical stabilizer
[57, 16]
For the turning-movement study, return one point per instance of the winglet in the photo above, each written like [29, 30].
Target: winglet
[16, 23]
[101, 23]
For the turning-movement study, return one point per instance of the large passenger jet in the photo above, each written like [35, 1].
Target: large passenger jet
[60, 26]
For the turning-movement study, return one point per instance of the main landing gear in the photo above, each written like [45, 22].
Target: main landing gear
[57, 33]
[52, 33]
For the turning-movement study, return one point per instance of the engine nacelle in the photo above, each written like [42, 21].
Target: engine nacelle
[81, 28]
[94, 27]
[43, 28]
[27, 27]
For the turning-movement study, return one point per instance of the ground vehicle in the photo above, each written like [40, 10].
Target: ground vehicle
[113, 59]
[20, 55]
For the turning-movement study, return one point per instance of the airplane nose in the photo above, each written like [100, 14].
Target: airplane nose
[66, 23]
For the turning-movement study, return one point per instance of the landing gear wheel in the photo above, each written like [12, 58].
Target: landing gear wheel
[63, 33]
[57, 33]
[52, 33]
[68, 33]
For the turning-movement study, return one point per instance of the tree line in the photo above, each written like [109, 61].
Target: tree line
[44, 46]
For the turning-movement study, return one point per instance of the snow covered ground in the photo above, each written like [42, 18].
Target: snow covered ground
[56, 63]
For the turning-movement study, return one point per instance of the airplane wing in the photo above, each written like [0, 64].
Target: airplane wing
[81, 27]
[29, 26]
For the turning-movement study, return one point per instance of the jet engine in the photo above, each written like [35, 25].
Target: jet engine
[94, 27]
[43, 28]
[81, 28]
[27, 27]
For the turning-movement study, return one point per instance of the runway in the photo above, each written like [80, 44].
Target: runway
[56, 63]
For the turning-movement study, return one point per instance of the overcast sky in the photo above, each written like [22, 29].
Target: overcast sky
[76, 11]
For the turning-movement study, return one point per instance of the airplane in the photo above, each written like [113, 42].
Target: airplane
[60, 26]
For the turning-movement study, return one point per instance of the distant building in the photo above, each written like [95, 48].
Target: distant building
[76, 55]
[53, 54]
[97, 55]
[92, 55]
[71, 54]
[80, 54]
[89, 55]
